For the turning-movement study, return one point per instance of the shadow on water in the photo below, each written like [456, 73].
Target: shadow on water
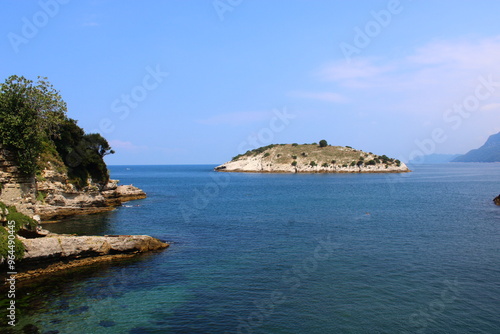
[95, 224]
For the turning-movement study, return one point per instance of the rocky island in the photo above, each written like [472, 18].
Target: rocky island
[311, 158]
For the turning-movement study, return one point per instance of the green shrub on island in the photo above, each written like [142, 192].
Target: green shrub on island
[294, 163]
[323, 143]
[313, 164]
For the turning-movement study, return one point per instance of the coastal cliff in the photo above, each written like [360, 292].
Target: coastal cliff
[311, 158]
[51, 194]
[51, 168]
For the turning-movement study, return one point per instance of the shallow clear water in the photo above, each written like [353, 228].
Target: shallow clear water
[285, 253]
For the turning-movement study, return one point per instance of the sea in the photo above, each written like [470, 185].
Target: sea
[414, 252]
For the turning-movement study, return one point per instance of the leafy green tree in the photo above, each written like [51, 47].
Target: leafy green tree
[35, 128]
[29, 113]
[323, 143]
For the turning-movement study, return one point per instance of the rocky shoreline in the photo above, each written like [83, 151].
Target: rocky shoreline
[52, 196]
[61, 203]
[50, 252]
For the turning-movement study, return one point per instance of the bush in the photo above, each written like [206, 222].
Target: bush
[294, 163]
[266, 154]
[313, 164]
[21, 222]
[325, 165]
[334, 162]
[295, 144]
[371, 162]
[323, 143]
[353, 163]
[294, 157]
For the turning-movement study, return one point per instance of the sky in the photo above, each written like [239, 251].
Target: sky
[198, 82]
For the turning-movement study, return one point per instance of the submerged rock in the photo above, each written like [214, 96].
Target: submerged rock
[496, 200]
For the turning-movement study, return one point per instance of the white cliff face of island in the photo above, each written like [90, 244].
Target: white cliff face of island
[310, 158]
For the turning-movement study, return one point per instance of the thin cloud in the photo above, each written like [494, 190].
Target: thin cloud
[491, 107]
[433, 77]
[322, 96]
[235, 118]
[358, 68]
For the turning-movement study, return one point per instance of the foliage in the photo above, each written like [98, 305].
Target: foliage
[323, 143]
[313, 164]
[4, 250]
[21, 222]
[266, 154]
[294, 163]
[325, 165]
[35, 128]
[295, 144]
[40, 196]
[29, 113]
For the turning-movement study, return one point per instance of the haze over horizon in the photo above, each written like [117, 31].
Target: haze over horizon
[199, 82]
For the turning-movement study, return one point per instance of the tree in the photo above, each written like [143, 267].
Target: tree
[323, 143]
[29, 114]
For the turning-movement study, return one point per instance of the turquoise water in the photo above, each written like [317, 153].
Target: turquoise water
[286, 253]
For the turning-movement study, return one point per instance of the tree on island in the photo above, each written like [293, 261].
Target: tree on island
[323, 143]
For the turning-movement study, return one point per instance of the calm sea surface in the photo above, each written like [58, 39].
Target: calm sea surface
[285, 253]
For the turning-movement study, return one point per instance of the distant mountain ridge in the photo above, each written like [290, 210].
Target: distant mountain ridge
[489, 152]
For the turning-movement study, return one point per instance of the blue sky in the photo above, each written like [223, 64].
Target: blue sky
[193, 82]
